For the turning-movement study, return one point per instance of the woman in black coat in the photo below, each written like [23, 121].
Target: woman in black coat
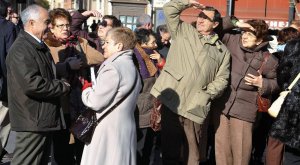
[286, 127]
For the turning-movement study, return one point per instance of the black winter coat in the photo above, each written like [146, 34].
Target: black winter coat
[33, 92]
[7, 37]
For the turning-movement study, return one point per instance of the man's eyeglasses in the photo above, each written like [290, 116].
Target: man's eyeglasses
[15, 17]
[62, 26]
[204, 16]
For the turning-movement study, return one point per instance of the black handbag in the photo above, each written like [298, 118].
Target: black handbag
[85, 125]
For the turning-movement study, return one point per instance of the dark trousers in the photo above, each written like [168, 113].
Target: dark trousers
[291, 156]
[145, 146]
[32, 148]
[63, 152]
[180, 139]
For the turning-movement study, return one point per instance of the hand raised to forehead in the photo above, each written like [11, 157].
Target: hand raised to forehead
[196, 4]
[93, 13]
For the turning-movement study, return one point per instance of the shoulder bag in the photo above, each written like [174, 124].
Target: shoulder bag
[84, 126]
[276, 105]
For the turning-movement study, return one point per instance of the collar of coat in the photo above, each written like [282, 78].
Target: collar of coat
[51, 41]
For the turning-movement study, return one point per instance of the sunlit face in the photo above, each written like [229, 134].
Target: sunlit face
[151, 44]
[61, 28]
[40, 26]
[249, 40]
[102, 30]
[205, 23]
[110, 47]
[165, 37]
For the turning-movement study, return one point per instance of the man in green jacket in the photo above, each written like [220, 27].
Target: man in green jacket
[196, 72]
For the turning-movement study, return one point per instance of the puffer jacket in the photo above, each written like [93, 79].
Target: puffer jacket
[240, 100]
[197, 70]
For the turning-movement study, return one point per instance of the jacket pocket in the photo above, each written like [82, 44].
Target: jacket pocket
[199, 104]
[173, 73]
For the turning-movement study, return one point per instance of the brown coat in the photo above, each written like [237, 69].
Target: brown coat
[239, 100]
[58, 51]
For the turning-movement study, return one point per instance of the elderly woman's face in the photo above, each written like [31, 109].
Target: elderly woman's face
[249, 40]
[61, 28]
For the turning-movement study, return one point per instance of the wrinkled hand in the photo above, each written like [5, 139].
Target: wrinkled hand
[196, 4]
[244, 25]
[254, 80]
[74, 63]
[155, 56]
[86, 84]
[93, 13]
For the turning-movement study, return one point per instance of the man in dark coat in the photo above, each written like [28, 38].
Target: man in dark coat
[33, 91]
[7, 37]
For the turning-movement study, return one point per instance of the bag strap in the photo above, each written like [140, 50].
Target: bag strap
[119, 102]
[266, 56]
[294, 82]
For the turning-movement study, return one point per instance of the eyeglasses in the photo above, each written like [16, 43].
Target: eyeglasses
[15, 17]
[204, 16]
[62, 26]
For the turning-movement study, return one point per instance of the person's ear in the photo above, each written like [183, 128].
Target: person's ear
[215, 24]
[120, 46]
[259, 41]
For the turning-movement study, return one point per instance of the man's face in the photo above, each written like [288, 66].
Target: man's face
[41, 25]
[165, 37]
[104, 28]
[205, 23]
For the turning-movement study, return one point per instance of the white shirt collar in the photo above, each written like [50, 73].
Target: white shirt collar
[38, 40]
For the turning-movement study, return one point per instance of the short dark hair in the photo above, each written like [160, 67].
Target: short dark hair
[162, 28]
[287, 34]
[115, 21]
[217, 15]
[261, 28]
[143, 35]
[3, 8]
[59, 13]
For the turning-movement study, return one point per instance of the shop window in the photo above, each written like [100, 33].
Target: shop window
[128, 21]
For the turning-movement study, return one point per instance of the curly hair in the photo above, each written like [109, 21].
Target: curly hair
[287, 34]
[59, 13]
[286, 127]
[261, 28]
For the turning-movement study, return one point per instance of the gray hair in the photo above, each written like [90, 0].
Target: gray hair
[30, 13]
[143, 20]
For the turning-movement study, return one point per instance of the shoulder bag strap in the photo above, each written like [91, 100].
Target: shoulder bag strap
[266, 56]
[119, 102]
[294, 82]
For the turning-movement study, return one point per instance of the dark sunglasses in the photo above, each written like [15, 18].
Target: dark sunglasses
[102, 23]
[204, 16]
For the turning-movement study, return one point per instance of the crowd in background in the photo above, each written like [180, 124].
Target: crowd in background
[201, 79]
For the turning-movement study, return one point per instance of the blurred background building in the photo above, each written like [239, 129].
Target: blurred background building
[277, 13]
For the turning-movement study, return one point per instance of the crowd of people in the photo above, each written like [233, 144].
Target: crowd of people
[199, 81]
